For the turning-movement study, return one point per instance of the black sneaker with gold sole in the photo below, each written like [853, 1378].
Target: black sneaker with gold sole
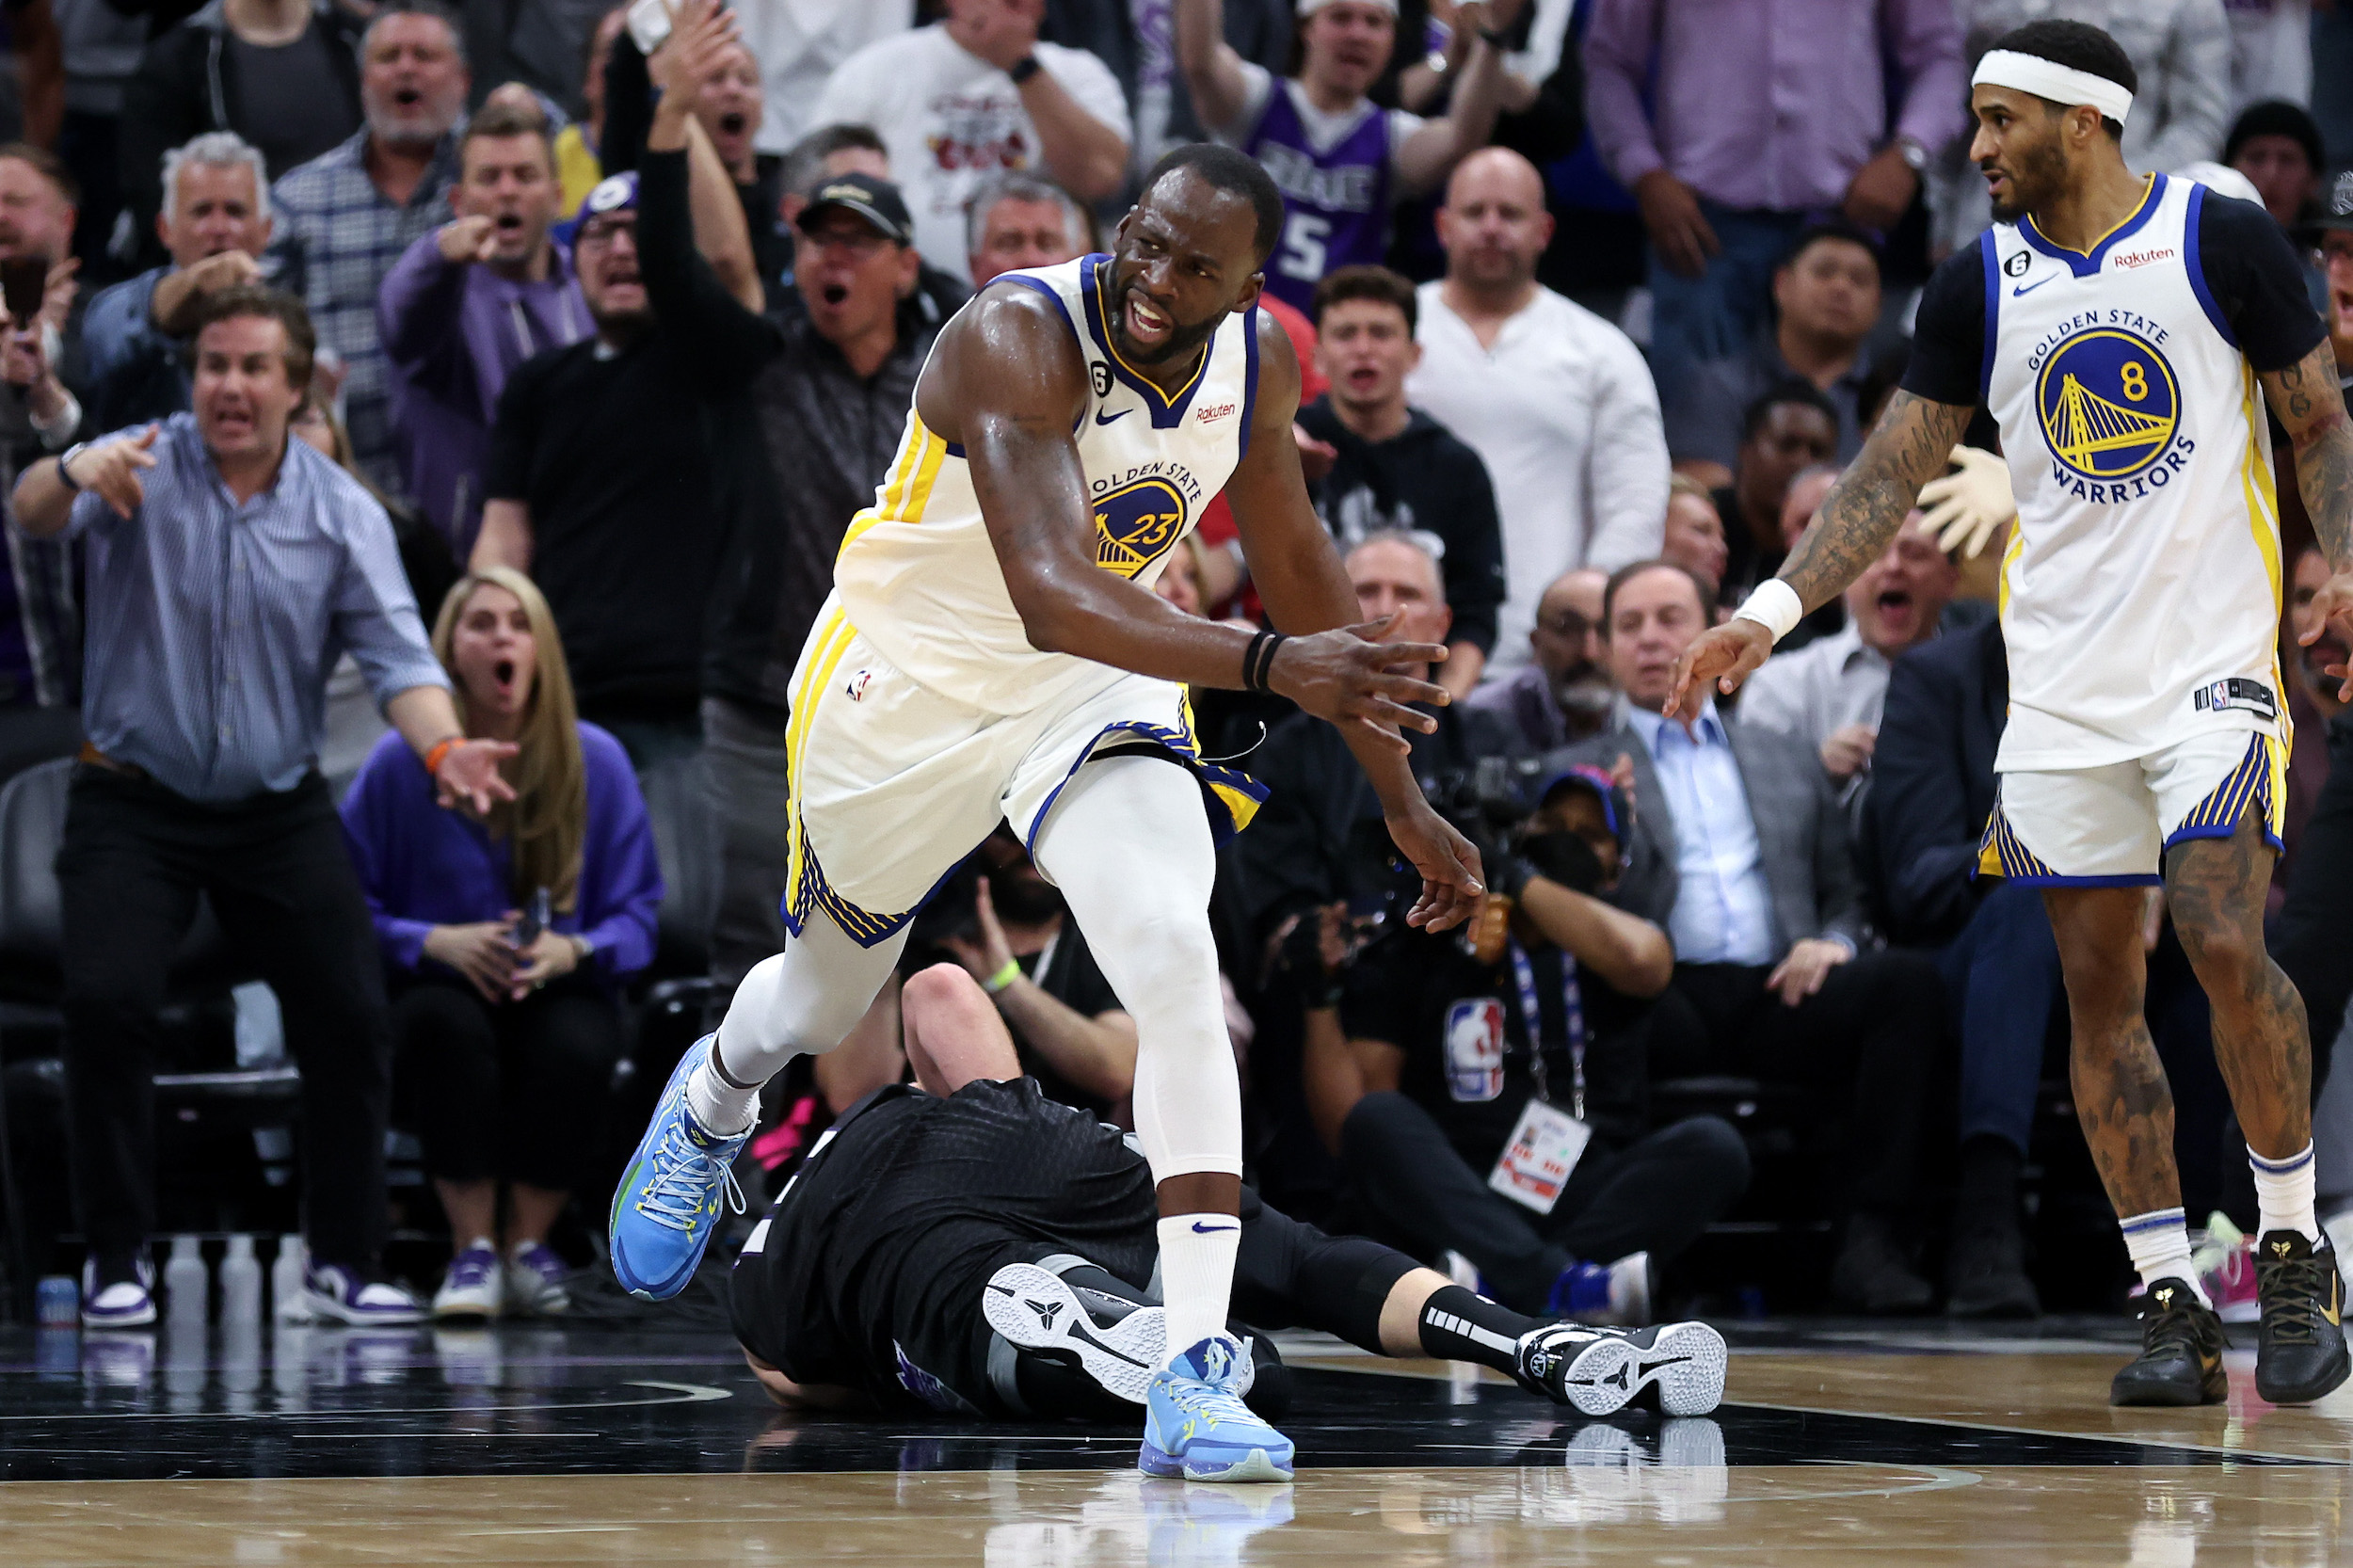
[2181, 1351]
[2300, 1349]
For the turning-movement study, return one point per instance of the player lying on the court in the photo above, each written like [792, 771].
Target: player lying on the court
[2117, 324]
[994, 651]
[968, 1243]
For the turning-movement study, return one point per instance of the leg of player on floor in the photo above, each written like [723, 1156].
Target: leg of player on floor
[2215, 888]
[1128, 844]
[802, 1000]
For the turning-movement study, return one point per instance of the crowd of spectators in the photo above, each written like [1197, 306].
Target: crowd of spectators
[580, 343]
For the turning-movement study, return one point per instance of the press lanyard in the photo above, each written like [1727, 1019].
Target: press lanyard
[1573, 1014]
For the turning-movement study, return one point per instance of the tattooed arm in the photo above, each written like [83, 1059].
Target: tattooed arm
[1859, 518]
[2309, 403]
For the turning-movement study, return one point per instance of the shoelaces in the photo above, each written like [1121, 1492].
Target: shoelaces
[681, 1172]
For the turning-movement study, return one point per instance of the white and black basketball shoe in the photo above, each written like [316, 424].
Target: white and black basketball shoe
[1678, 1367]
[1037, 1309]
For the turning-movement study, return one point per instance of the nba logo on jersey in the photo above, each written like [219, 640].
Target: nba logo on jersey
[1136, 523]
[1474, 1049]
[2111, 411]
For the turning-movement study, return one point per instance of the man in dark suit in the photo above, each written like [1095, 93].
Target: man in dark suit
[1932, 793]
[1740, 850]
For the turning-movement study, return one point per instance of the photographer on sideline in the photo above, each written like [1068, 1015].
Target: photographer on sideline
[1460, 1088]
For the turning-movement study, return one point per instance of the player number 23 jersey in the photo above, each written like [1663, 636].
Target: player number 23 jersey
[2140, 590]
[916, 572]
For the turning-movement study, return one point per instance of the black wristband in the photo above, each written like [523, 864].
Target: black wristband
[1258, 660]
[1023, 69]
[66, 456]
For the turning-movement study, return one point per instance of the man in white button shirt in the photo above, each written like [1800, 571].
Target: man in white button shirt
[1556, 401]
[978, 94]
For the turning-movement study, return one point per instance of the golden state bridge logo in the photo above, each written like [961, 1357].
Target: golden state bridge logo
[1136, 523]
[2110, 410]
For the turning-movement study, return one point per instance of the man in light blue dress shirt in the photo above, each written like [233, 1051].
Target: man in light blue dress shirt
[228, 570]
[1740, 850]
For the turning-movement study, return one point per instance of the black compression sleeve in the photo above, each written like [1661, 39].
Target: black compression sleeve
[2253, 277]
[1459, 1326]
[1947, 362]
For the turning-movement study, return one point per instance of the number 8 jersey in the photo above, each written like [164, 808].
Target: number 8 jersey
[2140, 591]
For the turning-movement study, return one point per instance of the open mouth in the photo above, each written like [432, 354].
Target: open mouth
[1896, 606]
[1145, 323]
[834, 294]
[1364, 379]
[503, 673]
[732, 123]
[2342, 299]
[508, 223]
[406, 97]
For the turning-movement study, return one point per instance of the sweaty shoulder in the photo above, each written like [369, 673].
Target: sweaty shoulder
[1947, 362]
[2256, 282]
[1276, 395]
[1013, 347]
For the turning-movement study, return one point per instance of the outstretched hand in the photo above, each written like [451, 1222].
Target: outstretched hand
[1726, 655]
[703, 38]
[1452, 879]
[2332, 605]
[1348, 677]
[468, 775]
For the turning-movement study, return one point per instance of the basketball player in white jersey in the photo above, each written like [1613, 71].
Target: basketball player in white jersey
[2124, 330]
[994, 651]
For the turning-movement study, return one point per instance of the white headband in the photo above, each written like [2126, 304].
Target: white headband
[2060, 84]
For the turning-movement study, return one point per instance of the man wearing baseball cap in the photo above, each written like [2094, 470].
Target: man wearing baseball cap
[829, 410]
[619, 466]
[2331, 234]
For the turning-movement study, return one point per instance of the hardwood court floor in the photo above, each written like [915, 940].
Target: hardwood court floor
[1837, 1445]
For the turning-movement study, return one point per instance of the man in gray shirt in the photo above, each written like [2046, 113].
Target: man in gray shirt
[228, 568]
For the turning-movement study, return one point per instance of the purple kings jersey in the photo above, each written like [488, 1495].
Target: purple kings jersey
[1335, 203]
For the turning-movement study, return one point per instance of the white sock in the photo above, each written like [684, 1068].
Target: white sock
[2284, 1193]
[1197, 1275]
[2160, 1243]
[718, 1105]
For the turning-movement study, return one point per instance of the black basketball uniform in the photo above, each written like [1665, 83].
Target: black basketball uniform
[867, 1270]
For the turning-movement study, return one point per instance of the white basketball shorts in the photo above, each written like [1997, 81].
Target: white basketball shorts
[894, 784]
[2109, 826]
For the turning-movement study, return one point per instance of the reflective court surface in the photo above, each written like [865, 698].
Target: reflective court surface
[1837, 1443]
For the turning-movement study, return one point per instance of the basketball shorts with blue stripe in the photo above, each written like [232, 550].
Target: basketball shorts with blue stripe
[893, 783]
[2110, 827]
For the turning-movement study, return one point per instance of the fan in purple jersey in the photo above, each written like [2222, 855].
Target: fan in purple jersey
[1340, 159]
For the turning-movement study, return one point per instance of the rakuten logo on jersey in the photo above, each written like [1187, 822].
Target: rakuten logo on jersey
[1210, 415]
[2129, 258]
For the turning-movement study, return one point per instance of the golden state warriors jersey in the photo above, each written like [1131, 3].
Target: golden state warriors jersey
[2141, 592]
[916, 572]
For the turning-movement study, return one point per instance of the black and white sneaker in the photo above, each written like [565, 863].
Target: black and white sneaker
[1679, 1366]
[1037, 1309]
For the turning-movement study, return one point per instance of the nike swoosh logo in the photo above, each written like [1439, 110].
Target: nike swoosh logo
[1650, 1367]
[1211, 1230]
[2029, 288]
[1102, 418]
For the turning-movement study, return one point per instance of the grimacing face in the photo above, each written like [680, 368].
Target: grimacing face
[1186, 258]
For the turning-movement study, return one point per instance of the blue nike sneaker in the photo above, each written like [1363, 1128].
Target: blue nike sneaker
[667, 1205]
[1196, 1426]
